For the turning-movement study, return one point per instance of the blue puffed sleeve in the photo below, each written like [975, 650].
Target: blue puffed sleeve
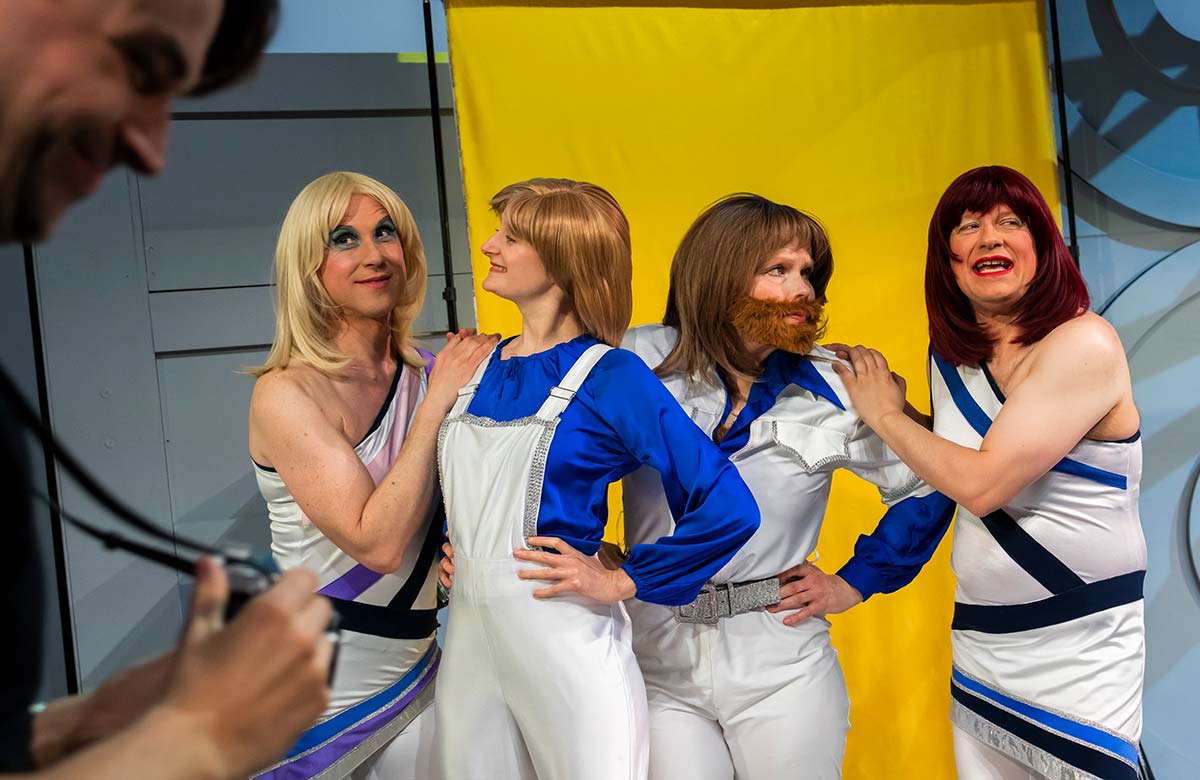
[904, 541]
[715, 513]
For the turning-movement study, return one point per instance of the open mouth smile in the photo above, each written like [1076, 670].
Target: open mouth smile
[992, 266]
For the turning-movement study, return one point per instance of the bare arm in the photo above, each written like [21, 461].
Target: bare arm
[229, 701]
[373, 524]
[1075, 379]
[74, 722]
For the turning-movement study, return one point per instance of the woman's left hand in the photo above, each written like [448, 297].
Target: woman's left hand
[874, 388]
[573, 572]
[811, 592]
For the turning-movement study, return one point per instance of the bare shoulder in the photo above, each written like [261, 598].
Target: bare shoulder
[1084, 352]
[1087, 341]
[287, 391]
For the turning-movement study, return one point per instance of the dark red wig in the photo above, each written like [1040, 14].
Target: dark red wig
[1056, 294]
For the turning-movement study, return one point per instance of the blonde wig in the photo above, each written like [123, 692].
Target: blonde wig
[306, 318]
[582, 238]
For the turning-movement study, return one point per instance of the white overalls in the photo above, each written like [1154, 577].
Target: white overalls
[746, 696]
[528, 688]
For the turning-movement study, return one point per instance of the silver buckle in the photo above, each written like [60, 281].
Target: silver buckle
[728, 599]
[709, 607]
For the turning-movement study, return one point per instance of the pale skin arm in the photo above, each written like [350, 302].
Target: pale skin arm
[370, 523]
[227, 702]
[919, 417]
[573, 572]
[597, 577]
[1076, 377]
[806, 589]
[810, 592]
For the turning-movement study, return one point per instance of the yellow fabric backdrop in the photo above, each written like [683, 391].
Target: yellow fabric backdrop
[859, 112]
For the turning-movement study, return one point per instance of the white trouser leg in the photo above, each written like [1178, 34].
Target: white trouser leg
[798, 729]
[529, 684]
[477, 737]
[573, 686]
[410, 756]
[776, 694]
[686, 744]
[977, 761]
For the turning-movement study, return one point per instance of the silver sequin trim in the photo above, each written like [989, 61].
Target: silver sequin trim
[537, 469]
[537, 474]
[1059, 713]
[891, 495]
[1050, 766]
[441, 450]
[844, 455]
[348, 762]
[728, 599]
[367, 748]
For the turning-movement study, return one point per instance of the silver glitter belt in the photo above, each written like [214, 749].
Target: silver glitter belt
[728, 599]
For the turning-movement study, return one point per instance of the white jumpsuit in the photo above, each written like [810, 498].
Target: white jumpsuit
[1048, 636]
[748, 697]
[547, 688]
[379, 722]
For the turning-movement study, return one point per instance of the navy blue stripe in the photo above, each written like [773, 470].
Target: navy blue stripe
[1083, 757]
[810, 378]
[1077, 469]
[387, 401]
[398, 620]
[1029, 554]
[348, 717]
[992, 381]
[391, 622]
[1086, 733]
[975, 416]
[1089, 599]
[429, 547]
[979, 420]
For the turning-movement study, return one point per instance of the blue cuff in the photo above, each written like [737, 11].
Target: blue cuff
[670, 594]
[861, 576]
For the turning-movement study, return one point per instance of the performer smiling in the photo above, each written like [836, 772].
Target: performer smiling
[539, 679]
[1035, 434]
[735, 691]
[343, 427]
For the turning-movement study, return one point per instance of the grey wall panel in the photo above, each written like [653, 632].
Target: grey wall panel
[104, 404]
[227, 318]
[18, 359]
[212, 219]
[212, 319]
[329, 82]
[215, 255]
[205, 405]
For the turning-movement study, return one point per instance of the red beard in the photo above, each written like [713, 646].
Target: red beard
[765, 322]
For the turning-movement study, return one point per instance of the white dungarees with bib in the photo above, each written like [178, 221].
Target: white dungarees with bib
[529, 688]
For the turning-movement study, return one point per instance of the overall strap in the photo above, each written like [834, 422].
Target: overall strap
[562, 394]
[467, 391]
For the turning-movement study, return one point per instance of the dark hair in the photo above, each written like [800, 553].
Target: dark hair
[713, 268]
[246, 27]
[1056, 294]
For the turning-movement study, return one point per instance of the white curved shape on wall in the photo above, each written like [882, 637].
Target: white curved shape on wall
[1158, 317]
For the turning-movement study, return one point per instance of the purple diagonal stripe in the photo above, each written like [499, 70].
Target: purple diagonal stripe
[352, 584]
[312, 764]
